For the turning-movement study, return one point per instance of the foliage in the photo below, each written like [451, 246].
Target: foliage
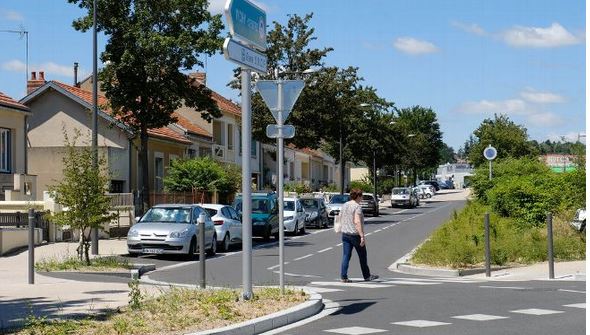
[330, 188]
[202, 173]
[459, 243]
[447, 155]
[75, 264]
[299, 188]
[509, 139]
[559, 147]
[83, 192]
[363, 185]
[385, 185]
[149, 45]
[136, 298]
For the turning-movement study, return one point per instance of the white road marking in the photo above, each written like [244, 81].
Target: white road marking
[407, 282]
[324, 250]
[330, 307]
[368, 234]
[339, 244]
[573, 291]
[420, 323]
[580, 305]
[298, 275]
[353, 284]
[323, 289]
[505, 287]
[273, 267]
[479, 317]
[302, 257]
[355, 330]
[536, 311]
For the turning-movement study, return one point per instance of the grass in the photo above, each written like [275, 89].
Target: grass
[459, 243]
[73, 263]
[176, 310]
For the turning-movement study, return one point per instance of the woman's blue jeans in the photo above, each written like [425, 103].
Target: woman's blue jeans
[348, 243]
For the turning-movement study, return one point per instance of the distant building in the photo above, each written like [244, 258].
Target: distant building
[454, 172]
[559, 162]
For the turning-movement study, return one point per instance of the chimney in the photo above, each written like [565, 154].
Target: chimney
[76, 74]
[35, 82]
[200, 77]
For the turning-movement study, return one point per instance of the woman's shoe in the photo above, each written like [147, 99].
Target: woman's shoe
[372, 277]
[345, 280]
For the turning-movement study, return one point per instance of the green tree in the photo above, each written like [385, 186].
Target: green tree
[203, 174]
[82, 192]
[149, 43]
[509, 139]
[447, 154]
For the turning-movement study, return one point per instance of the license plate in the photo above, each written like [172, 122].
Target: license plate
[153, 251]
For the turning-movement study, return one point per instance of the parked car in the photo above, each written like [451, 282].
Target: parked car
[335, 205]
[316, 212]
[370, 205]
[434, 184]
[171, 229]
[293, 216]
[404, 196]
[420, 192]
[265, 219]
[228, 224]
[428, 190]
[579, 221]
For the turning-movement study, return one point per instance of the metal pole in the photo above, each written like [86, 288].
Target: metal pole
[280, 181]
[490, 163]
[94, 234]
[31, 246]
[202, 256]
[246, 191]
[487, 243]
[375, 179]
[341, 162]
[550, 245]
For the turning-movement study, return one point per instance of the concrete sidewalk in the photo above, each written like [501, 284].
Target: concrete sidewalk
[53, 297]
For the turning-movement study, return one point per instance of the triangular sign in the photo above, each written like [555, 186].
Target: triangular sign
[269, 91]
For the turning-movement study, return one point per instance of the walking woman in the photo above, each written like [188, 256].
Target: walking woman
[352, 227]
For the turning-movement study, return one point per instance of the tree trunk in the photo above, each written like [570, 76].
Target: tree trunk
[80, 248]
[144, 188]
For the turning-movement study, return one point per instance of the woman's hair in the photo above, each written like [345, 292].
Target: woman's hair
[355, 193]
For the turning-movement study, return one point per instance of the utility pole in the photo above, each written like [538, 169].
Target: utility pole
[94, 232]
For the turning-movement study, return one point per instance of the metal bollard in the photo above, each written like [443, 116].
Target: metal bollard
[202, 256]
[487, 243]
[31, 246]
[550, 245]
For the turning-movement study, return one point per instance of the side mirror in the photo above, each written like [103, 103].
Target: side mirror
[137, 218]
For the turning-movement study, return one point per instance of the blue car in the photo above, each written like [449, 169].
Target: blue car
[265, 214]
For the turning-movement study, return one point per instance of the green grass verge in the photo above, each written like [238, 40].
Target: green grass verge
[72, 263]
[175, 310]
[459, 243]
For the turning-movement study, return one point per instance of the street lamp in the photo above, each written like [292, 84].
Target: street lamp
[374, 159]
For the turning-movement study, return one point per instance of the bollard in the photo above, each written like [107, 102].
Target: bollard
[487, 243]
[202, 256]
[31, 246]
[550, 245]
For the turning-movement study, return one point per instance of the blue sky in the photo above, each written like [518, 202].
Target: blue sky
[465, 59]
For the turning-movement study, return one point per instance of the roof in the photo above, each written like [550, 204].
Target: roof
[6, 101]
[191, 127]
[226, 105]
[164, 133]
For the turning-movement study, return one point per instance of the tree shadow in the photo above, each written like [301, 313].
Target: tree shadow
[354, 308]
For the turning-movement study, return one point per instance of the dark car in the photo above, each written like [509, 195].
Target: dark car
[316, 212]
[265, 214]
[434, 184]
[370, 205]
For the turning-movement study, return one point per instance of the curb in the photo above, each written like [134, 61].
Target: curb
[416, 270]
[272, 321]
[138, 270]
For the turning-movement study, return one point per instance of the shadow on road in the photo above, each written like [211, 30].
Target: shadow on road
[354, 308]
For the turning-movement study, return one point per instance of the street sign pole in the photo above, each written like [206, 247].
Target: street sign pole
[246, 190]
[280, 181]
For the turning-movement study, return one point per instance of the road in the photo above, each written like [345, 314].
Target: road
[397, 303]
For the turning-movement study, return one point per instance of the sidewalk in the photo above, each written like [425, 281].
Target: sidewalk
[53, 297]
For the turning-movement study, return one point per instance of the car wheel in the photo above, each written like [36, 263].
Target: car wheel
[267, 234]
[213, 250]
[296, 229]
[428, 195]
[302, 231]
[225, 244]
[190, 255]
[133, 254]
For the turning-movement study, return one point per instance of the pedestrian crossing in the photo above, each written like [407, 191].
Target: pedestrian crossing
[398, 326]
[319, 286]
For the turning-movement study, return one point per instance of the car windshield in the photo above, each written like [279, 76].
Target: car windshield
[339, 199]
[289, 205]
[367, 197]
[400, 191]
[259, 206]
[168, 215]
[310, 203]
[212, 212]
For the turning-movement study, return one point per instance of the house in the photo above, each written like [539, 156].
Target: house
[559, 162]
[57, 108]
[15, 181]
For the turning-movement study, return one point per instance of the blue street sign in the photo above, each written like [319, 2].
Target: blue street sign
[274, 131]
[246, 22]
[490, 153]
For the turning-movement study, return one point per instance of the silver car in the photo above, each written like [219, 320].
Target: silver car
[171, 229]
[228, 224]
[335, 205]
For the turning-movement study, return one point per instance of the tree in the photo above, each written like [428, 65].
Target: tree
[204, 174]
[149, 43]
[509, 139]
[82, 192]
[447, 154]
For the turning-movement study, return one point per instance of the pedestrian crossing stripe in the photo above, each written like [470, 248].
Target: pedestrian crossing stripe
[353, 284]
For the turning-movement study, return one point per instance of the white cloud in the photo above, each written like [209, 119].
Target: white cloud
[413, 46]
[51, 68]
[217, 6]
[544, 119]
[568, 137]
[541, 97]
[509, 106]
[537, 37]
[472, 28]
[11, 15]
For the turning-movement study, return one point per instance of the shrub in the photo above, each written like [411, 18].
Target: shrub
[363, 185]
[202, 173]
[298, 188]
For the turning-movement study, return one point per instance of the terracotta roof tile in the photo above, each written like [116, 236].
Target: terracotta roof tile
[7, 101]
[168, 134]
[226, 105]
[188, 125]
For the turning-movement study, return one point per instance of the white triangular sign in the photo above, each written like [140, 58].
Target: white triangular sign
[269, 91]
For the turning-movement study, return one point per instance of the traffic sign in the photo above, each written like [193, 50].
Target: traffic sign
[269, 90]
[247, 22]
[272, 131]
[244, 56]
[490, 153]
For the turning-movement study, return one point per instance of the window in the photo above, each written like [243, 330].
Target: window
[253, 148]
[230, 136]
[5, 150]
[159, 173]
[117, 186]
[203, 152]
[192, 153]
[218, 135]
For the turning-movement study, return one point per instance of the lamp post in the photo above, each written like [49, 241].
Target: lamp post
[22, 32]
[94, 232]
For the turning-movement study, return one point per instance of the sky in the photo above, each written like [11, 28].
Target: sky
[467, 60]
